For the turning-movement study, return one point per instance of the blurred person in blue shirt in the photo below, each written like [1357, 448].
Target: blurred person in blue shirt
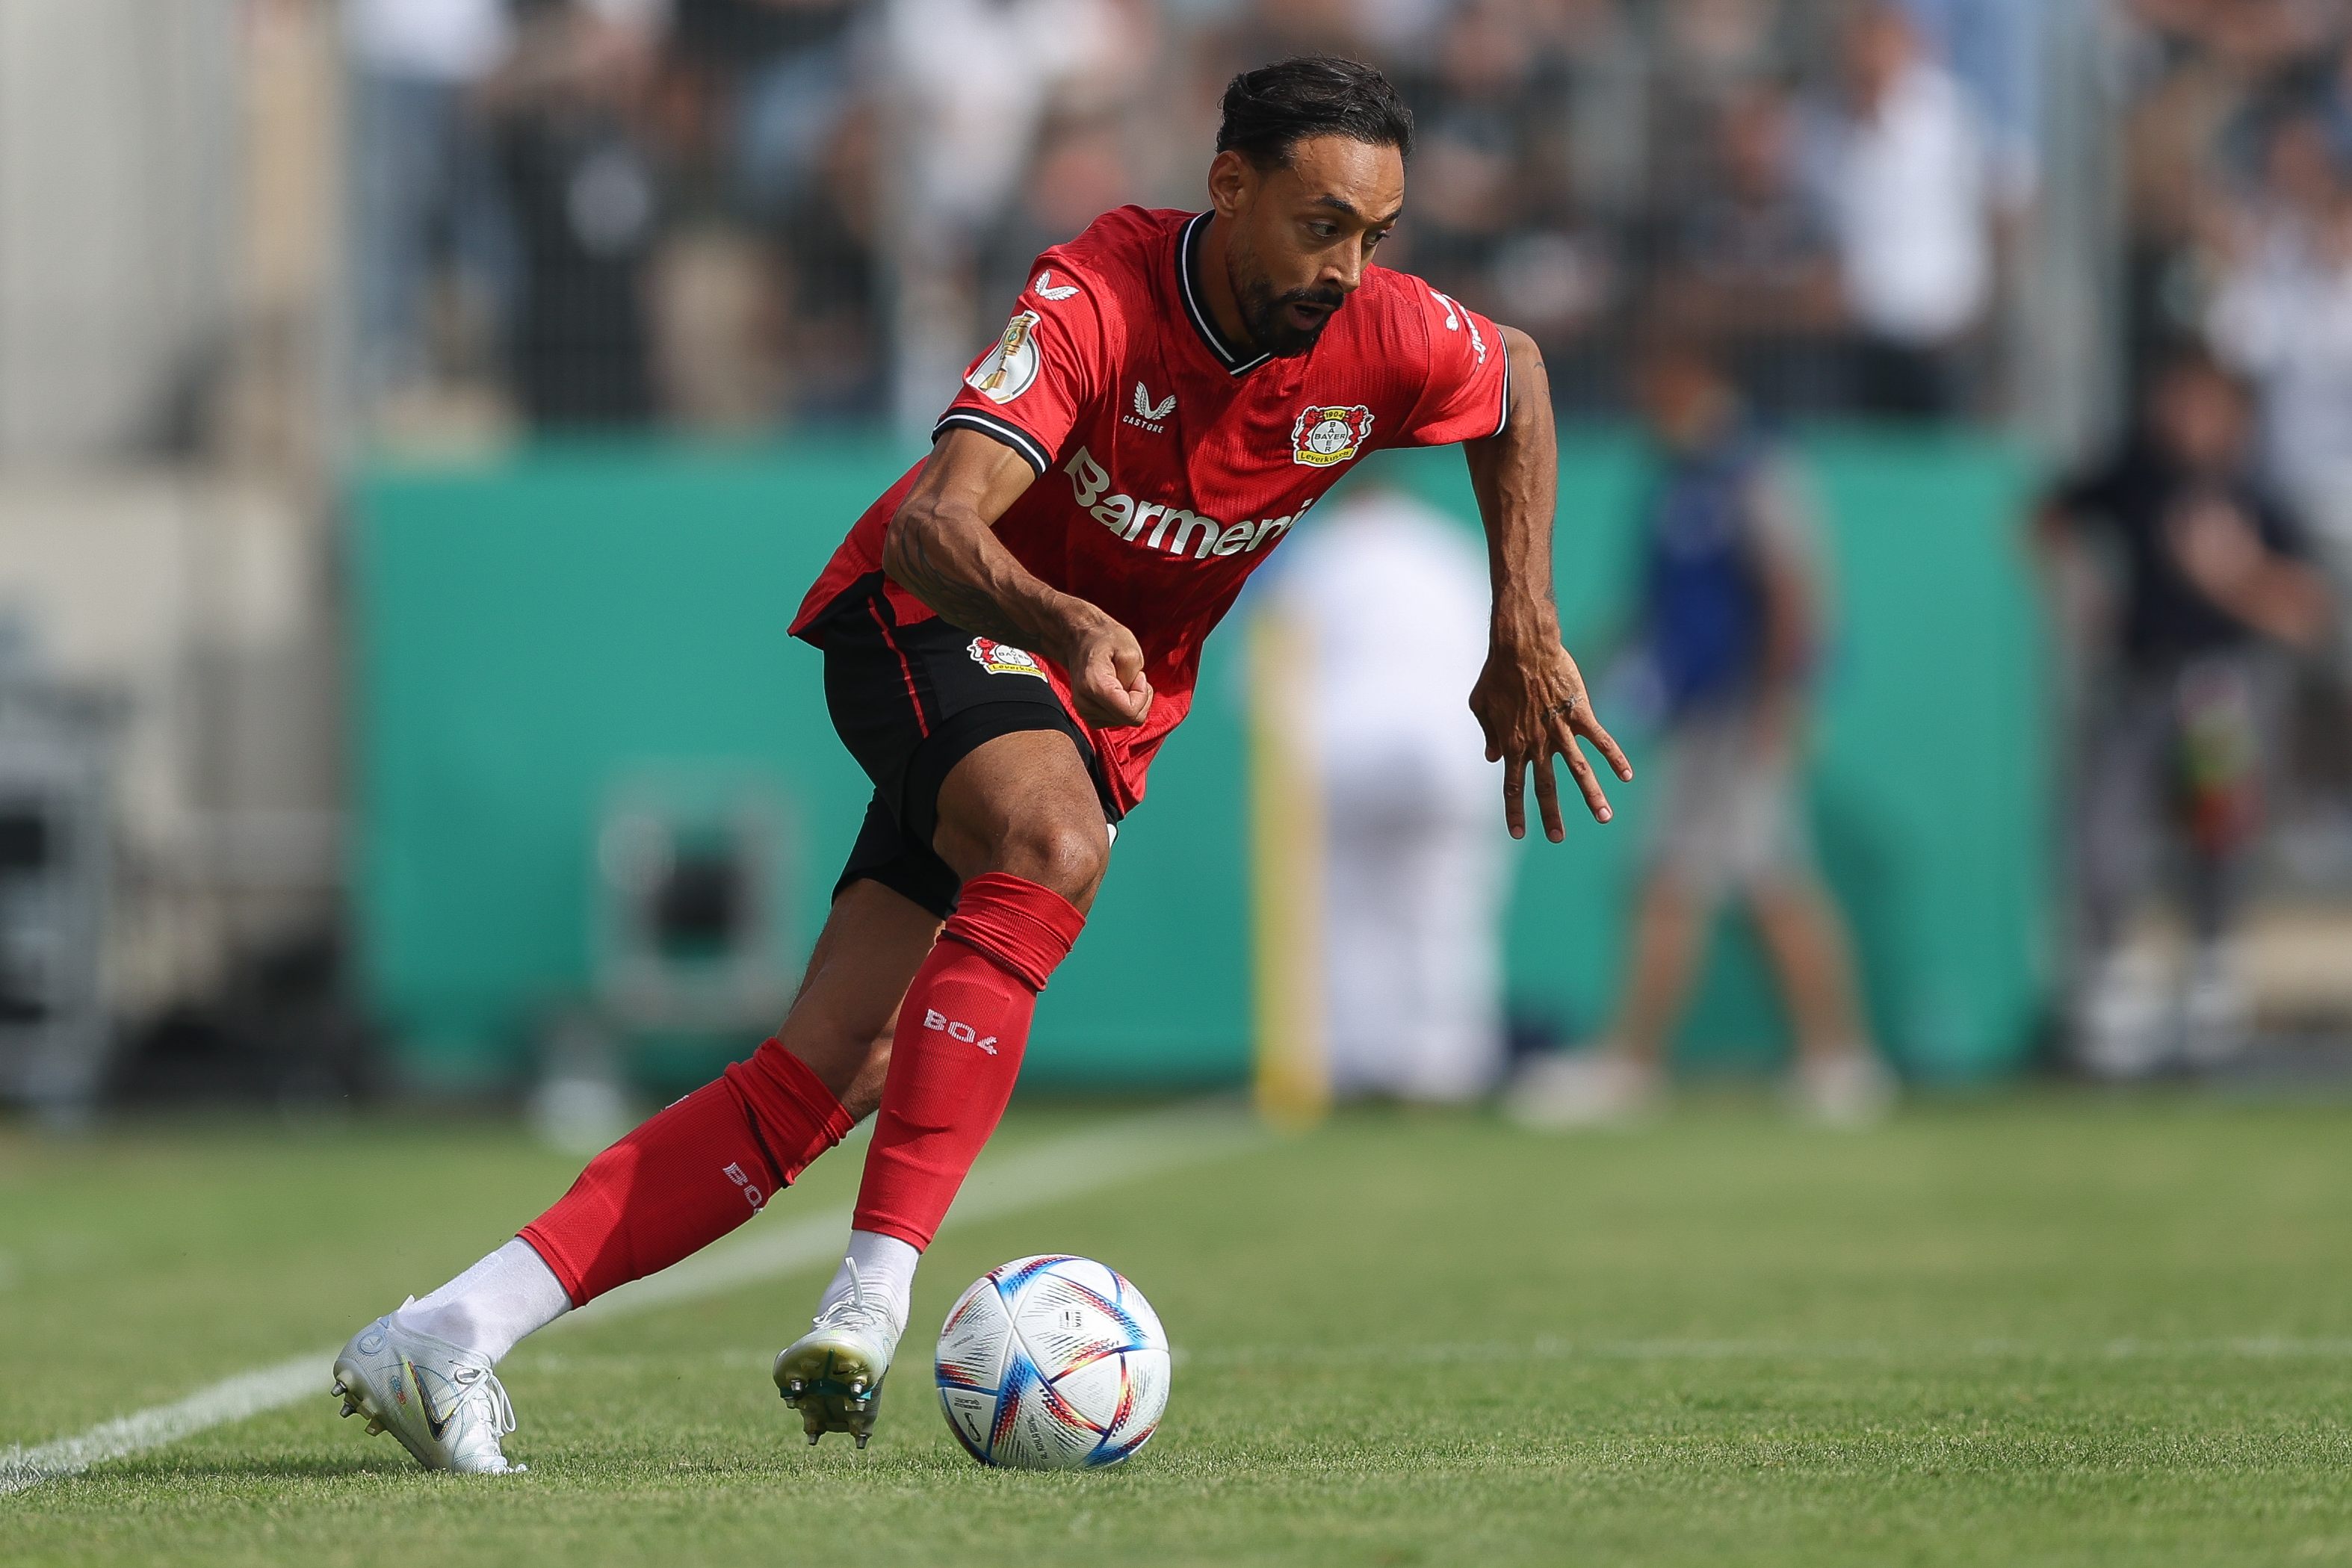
[2282, 317]
[2178, 572]
[1732, 613]
[1914, 186]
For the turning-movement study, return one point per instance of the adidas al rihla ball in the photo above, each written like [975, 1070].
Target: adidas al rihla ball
[1053, 1362]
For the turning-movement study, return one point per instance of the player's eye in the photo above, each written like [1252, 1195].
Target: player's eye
[1377, 236]
[1323, 231]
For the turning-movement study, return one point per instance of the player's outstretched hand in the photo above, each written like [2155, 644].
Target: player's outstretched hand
[1106, 679]
[1532, 707]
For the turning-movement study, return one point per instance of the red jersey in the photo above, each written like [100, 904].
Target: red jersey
[1170, 462]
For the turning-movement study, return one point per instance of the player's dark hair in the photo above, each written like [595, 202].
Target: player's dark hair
[1270, 110]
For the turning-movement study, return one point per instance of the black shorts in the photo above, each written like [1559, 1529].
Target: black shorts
[911, 701]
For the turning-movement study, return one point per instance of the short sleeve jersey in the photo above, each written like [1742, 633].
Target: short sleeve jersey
[1170, 461]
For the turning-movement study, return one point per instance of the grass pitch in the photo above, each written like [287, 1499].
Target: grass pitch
[2045, 1330]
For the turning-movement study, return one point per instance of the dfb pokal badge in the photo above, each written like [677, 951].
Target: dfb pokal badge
[1324, 436]
[1008, 369]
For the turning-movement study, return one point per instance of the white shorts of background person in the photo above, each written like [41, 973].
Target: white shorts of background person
[1729, 821]
[1413, 905]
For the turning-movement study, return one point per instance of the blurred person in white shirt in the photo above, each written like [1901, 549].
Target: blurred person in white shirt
[2282, 317]
[1906, 171]
[965, 87]
[1389, 600]
[424, 188]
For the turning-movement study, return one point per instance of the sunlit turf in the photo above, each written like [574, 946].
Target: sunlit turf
[2041, 1330]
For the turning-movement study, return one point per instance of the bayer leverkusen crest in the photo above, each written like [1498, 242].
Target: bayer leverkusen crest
[998, 659]
[1324, 436]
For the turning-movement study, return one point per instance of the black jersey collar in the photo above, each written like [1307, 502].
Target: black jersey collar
[1196, 302]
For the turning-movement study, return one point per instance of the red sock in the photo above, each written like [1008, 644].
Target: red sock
[689, 1176]
[962, 1031]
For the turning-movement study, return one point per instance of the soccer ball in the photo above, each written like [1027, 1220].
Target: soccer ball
[1052, 1363]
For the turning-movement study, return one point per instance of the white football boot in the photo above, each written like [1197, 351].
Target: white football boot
[2217, 1017]
[833, 1373]
[1602, 1087]
[2122, 1017]
[1846, 1088]
[444, 1404]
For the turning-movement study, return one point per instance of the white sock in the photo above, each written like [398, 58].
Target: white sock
[488, 1308]
[886, 1267]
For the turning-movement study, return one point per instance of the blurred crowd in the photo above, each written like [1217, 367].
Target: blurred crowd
[756, 214]
[750, 213]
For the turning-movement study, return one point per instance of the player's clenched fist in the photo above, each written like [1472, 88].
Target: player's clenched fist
[1533, 705]
[1108, 685]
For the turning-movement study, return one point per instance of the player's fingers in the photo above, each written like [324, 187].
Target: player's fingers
[1118, 704]
[1589, 727]
[1587, 782]
[1547, 796]
[1097, 705]
[1515, 807]
[1494, 745]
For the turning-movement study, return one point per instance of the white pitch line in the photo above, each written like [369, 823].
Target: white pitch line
[2251, 1348]
[1100, 1156]
[246, 1394]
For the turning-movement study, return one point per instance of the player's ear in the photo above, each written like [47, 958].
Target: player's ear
[1232, 180]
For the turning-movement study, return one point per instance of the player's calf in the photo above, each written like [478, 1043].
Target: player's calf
[962, 1033]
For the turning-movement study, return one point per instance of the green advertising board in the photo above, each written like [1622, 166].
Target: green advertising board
[533, 634]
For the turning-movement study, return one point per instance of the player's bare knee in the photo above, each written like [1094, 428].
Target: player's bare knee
[1065, 855]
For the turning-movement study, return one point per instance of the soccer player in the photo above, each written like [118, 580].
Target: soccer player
[1010, 633]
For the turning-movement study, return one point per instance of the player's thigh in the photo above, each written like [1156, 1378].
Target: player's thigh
[1025, 803]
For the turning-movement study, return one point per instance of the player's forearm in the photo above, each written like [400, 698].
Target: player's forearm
[1516, 476]
[944, 554]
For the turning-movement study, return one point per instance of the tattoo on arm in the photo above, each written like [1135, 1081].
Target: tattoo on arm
[960, 604]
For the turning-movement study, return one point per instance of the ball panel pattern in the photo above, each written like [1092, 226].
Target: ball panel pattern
[973, 1342]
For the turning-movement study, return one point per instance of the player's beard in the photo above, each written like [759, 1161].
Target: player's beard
[1262, 308]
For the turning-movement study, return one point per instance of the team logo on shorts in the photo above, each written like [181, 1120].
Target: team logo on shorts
[1008, 369]
[998, 659]
[1327, 436]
